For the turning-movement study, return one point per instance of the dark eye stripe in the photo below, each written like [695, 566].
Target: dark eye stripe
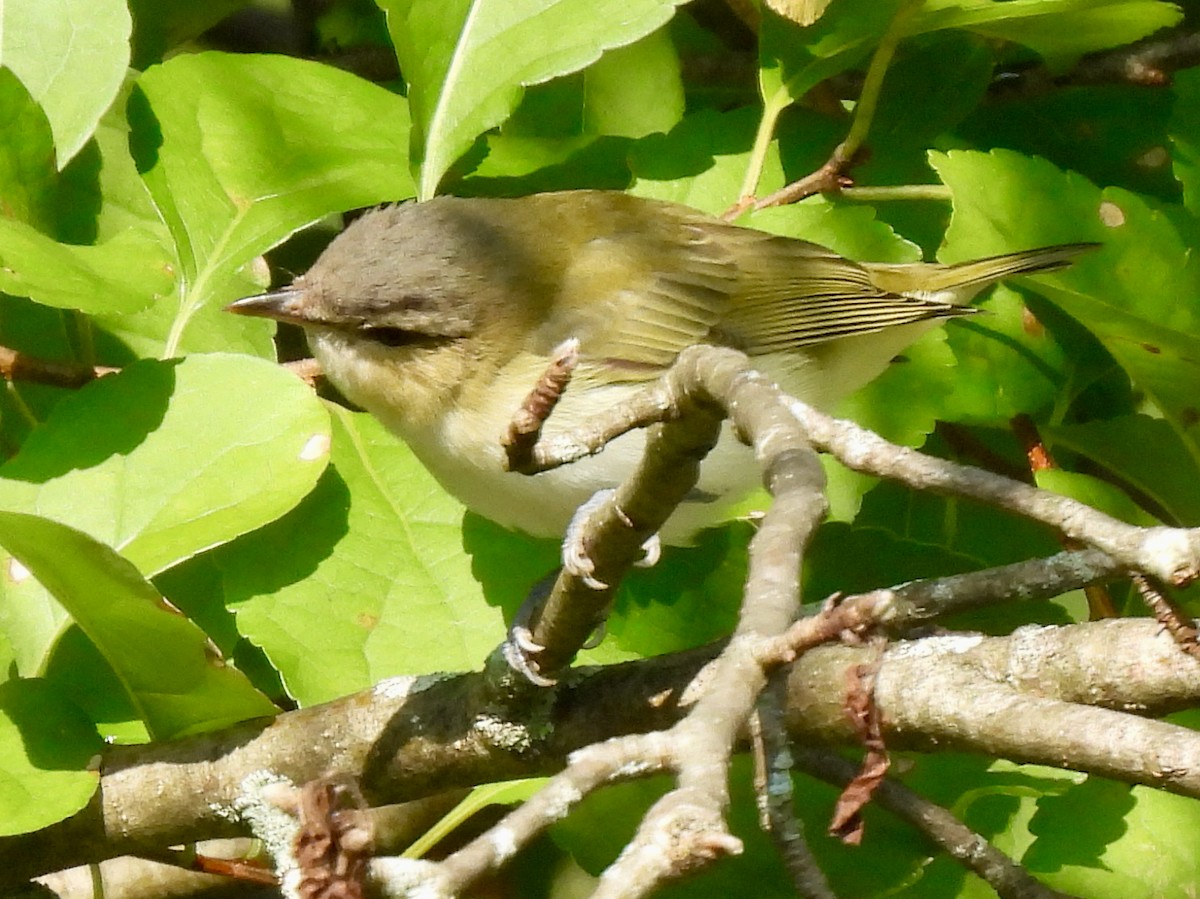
[397, 337]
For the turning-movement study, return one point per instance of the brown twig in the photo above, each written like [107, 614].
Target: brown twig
[1167, 613]
[996, 695]
[916, 602]
[706, 384]
[971, 849]
[1031, 696]
[1150, 62]
[18, 366]
[307, 370]
[332, 843]
[830, 177]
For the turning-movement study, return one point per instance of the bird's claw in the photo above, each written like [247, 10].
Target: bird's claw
[575, 558]
[520, 652]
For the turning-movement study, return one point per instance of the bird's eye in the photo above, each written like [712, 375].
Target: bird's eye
[391, 336]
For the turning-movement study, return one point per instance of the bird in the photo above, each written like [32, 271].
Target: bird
[438, 318]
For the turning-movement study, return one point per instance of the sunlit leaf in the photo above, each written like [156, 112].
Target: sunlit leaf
[72, 56]
[370, 572]
[47, 750]
[238, 153]
[1138, 295]
[158, 655]
[161, 462]
[466, 61]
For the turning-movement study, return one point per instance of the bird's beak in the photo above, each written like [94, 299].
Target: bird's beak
[283, 305]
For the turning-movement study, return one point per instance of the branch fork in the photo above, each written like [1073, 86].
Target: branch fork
[692, 731]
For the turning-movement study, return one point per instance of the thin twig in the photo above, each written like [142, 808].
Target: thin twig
[525, 429]
[900, 608]
[1167, 613]
[1171, 554]
[832, 175]
[775, 798]
[972, 850]
[18, 366]
[307, 370]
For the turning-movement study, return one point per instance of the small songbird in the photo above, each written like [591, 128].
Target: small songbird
[439, 318]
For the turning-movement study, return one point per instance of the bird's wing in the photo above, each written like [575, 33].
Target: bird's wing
[636, 300]
[794, 293]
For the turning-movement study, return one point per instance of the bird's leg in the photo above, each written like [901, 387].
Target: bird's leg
[575, 556]
[521, 650]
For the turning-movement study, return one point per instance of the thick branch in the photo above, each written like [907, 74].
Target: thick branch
[413, 737]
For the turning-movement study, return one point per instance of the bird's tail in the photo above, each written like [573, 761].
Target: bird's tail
[957, 283]
[1024, 262]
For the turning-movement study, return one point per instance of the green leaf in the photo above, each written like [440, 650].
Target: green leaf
[506, 793]
[162, 25]
[72, 56]
[997, 799]
[901, 534]
[689, 598]
[1142, 451]
[47, 749]
[102, 194]
[1003, 365]
[1110, 133]
[1139, 295]
[1095, 493]
[1053, 28]
[79, 670]
[125, 274]
[466, 61]
[903, 404]
[128, 272]
[369, 574]
[635, 90]
[847, 559]
[1184, 129]
[164, 460]
[28, 179]
[517, 165]
[159, 656]
[1100, 838]
[702, 161]
[933, 83]
[795, 59]
[239, 152]
[161, 462]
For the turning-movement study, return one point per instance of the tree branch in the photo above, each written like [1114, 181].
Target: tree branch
[18, 366]
[936, 692]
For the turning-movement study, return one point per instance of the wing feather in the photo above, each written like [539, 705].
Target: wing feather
[684, 278]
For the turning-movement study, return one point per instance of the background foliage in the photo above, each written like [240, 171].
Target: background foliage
[144, 175]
